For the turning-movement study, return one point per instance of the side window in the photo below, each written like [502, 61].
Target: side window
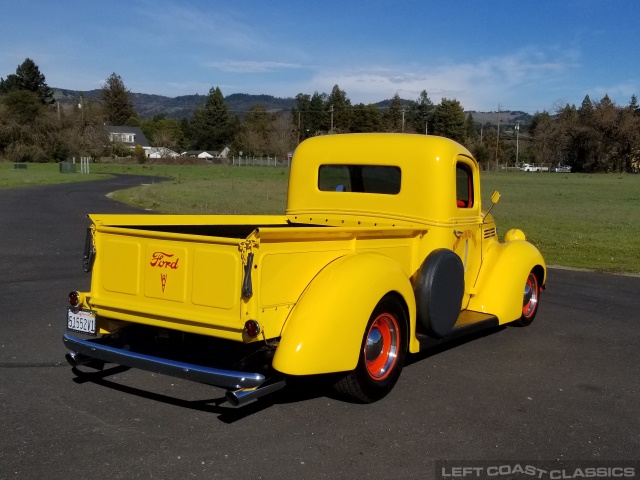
[464, 186]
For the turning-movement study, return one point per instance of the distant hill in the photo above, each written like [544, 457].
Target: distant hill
[183, 106]
[387, 103]
[506, 117]
[147, 106]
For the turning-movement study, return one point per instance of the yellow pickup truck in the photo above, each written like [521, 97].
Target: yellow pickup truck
[384, 250]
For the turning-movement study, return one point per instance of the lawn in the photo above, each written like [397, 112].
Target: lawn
[38, 174]
[576, 220]
[207, 189]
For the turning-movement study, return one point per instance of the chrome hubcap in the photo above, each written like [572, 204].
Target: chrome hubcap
[381, 346]
[374, 345]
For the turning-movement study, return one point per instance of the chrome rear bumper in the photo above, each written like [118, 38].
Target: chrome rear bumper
[83, 351]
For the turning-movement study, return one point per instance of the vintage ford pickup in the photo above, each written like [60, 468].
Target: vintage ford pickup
[384, 251]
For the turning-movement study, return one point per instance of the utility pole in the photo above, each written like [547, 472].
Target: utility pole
[426, 128]
[402, 119]
[298, 127]
[80, 107]
[331, 110]
[517, 128]
[498, 138]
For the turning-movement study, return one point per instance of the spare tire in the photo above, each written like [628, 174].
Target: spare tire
[439, 289]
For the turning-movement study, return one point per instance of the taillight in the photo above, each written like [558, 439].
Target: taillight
[252, 328]
[74, 299]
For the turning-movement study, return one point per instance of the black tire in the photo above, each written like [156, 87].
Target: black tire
[382, 354]
[530, 300]
[439, 289]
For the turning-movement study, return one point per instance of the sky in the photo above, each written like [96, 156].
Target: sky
[527, 55]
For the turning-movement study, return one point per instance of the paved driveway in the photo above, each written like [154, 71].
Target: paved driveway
[566, 388]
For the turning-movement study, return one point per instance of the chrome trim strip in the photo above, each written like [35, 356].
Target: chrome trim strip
[197, 373]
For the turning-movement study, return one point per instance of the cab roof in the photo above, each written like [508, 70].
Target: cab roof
[428, 172]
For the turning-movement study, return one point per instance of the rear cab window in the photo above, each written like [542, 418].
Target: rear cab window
[379, 179]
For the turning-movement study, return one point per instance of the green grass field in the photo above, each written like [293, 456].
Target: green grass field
[38, 174]
[207, 189]
[576, 220]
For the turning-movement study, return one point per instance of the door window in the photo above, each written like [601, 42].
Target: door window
[464, 186]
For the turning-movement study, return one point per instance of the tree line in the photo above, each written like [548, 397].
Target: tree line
[596, 137]
[599, 136]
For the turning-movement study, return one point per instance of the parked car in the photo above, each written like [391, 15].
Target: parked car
[560, 169]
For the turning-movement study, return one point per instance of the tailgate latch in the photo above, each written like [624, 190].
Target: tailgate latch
[89, 254]
[246, 252]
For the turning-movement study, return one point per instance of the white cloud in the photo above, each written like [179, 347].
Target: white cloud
[236, 66]
[477, 85]
[210, 26]
[619, 93]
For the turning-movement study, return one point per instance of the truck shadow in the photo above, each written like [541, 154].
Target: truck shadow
[451, 344]
[297, 391]
[218, 406]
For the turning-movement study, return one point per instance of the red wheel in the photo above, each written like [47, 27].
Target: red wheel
[384, 347]
[530, 300]
[381, 346]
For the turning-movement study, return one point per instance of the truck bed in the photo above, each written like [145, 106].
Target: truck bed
[191, 273]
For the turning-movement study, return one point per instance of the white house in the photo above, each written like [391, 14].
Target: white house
[161, 152]
[129, 136]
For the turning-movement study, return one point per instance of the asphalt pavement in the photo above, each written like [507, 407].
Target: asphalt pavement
[564, 389]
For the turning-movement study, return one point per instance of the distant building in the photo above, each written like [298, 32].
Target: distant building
[161, 152]
[207, 154]
[128, 136]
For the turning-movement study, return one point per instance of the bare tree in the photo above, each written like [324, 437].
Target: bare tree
[281, 138]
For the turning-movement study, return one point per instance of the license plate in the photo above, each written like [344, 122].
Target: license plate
[81, 321]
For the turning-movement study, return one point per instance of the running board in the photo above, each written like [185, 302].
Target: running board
[468, 322]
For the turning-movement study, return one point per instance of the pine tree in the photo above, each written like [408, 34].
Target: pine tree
[320, 121]
[341, 109]
[366, 118]
[449, 120]
[470, 129]
[28, 77]
[393, 117]
[586, 111]
[300, 116]
[421, 112]
[212, 127]
[116, 101]
[633, 105]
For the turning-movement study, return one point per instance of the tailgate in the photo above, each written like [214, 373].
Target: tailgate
[181, 281]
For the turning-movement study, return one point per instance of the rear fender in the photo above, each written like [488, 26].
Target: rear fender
[502, 277]
[324, 331]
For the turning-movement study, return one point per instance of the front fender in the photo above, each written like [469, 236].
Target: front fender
[324, 331]
[500, 286]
